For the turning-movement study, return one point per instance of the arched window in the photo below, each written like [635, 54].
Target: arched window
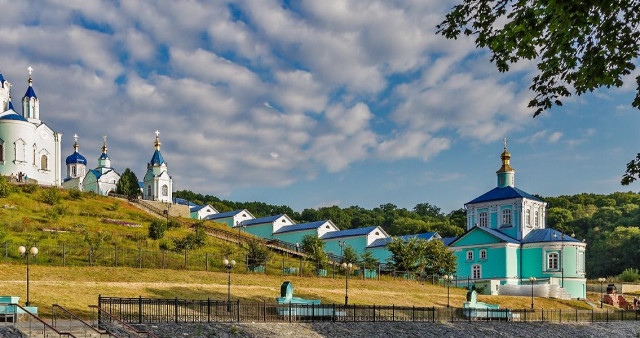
[73, 171]
[469, 255]
[552, 261]
[149, 190]
[527, 218]
[506, 217]
[1, 150]
[483, 254]
[482, 219]
[476, 272]
[165, 190]
[20, 151]
[43, 162]
[536, 219]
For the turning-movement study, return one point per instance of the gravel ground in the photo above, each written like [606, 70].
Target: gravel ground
[396, 330]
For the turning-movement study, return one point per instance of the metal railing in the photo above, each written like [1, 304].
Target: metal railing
[150, 310]
[60, 313]
[29, 323]
[118, 326]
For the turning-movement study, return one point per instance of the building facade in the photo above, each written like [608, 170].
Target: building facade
[158, 185]
[29, 149]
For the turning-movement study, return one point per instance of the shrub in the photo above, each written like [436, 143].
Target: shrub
[115, 206]
[630, 275]
[194, 240]
[50, 196]
[30, 188]
[5, 188]
[257, 254]
[75, 194]
[172, 223]
[157, 229]
[52, 215]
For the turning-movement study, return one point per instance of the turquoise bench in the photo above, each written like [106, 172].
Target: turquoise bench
[9, 311]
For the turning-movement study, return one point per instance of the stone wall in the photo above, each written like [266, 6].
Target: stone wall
[175, 210]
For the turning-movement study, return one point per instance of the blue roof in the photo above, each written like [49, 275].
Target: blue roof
[95, 172]
[11, 106]
[425, 236]
[157, 158]
[141, 184]
[262, 220]
[183, 202]
[30, 93]
[300, 227]
[76, 158]
[503, 194]
[1, 81]
[225, 214]
[448, 240]
[194, 208]
[496, 233]
[348, 232]
[13, 116]
[104, 156]
[546, 235]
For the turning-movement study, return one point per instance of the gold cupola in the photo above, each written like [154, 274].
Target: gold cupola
[506, 174]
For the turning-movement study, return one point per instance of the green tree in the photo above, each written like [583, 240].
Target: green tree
[128, 184]
[437, 259]
[5, 188]
[314, 248]
[257, 254]
[349, 255]
[426, 209]
[368, 260]
[157, 229]
[578, 45]
[558, 217]
[405, 254]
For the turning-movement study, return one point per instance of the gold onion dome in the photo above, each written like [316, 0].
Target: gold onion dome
[505, 160]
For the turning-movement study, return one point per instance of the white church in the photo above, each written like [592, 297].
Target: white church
[30, 152]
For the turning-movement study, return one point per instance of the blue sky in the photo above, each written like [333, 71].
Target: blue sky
[306, 103]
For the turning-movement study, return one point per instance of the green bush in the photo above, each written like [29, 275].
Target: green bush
[630, 275]
[30, 188]
[173, 224]
[50, 196]
[75, 194]
[194, 240]
[157, 229]
[257, 254]
[5, 187]
[115, 206]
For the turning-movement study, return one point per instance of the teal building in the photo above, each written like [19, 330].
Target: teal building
[359, 239]
[379, 247]
[265, 227]
[507, 242]
[294, 233]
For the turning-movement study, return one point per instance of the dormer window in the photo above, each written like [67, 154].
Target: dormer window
[377, 233]
[326, 226]
[283, 220]
[482, 219]
[506, 217]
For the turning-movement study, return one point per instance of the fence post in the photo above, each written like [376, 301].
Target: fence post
[607, 315]
[208, 310]
[140, 310]
[139, 257]
[394, 274]
[374, 313]
[99, 309]
[90, 255]
[333, 315]
[393, 312]
[413, 314]
[175, 309]
[592, 315]
[238, 310]
[264, 302]
[313, 312]
[185, 260]
[206, 261]
[379, 269]
[560, 317]
[542, 315]
[163, 258]
[576, 315]
[289, 312]
[300, 272]
[433, 314]
[116, 254]
[64, 263]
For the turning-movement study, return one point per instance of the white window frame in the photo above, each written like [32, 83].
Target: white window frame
[580, 261]
[469, 255]
[2, 152]
[483, 221]
[483, 254]
[536, 219]
[527, 217]
[553, 261]
[165, 190]
[476, 271]
[506, 218]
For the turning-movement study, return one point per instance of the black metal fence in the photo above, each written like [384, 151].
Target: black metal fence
[150, 310]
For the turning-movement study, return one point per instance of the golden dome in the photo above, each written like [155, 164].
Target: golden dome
[505, 160]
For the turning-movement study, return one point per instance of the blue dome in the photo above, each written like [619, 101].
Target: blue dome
[30, 93]
[104, 156]
[11, 106]
[13, 116]
[157, 158]
[76, 158]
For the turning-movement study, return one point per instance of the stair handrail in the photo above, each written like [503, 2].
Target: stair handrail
[81, 320]
[68, 334]
[121, 322]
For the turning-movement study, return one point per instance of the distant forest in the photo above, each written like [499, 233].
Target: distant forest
[608, 223]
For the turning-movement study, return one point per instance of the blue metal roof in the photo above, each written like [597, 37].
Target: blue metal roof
[496, 233]
[95, 172]
[302, 226]
[262, 220]
[13, 116]
[225, 214]
[76, 158]
[30, 93]
[503, 194]
[104, 156]
[2, 81]
[546, 235]
[194, 208]
[424, 236]
[448, 240]
[141, 184]
[183, 202]
[11, 106]
[348, 232]
[157, 158]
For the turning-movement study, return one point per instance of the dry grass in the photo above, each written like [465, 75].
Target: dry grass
[77, 287]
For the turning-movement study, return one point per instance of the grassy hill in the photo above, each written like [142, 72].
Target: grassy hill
[30, 216]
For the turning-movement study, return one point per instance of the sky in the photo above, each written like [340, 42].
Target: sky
[306, 103]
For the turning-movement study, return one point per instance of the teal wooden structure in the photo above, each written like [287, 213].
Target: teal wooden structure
[296, 306]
